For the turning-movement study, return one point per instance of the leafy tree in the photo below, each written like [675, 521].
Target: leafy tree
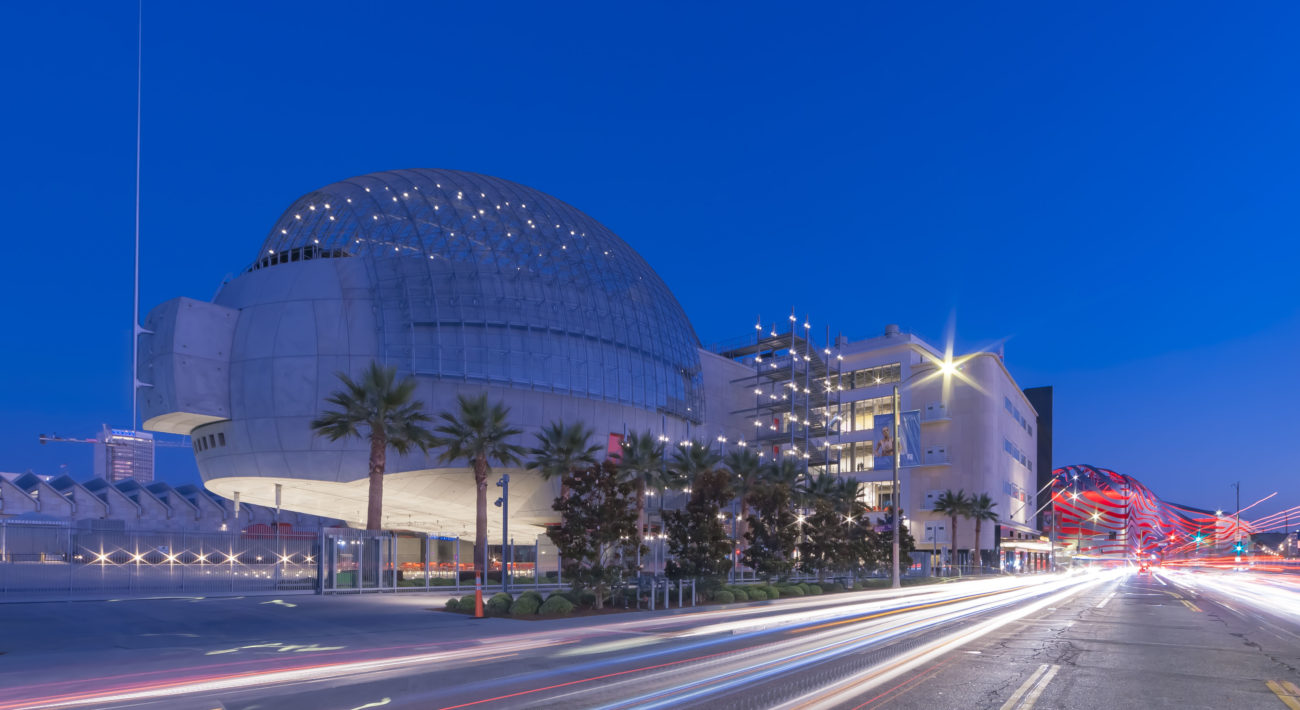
[785, 471]
[880, 544]
[981, 509]
[478, 432]
[770, 530]
[952, 505]
[597, 533]
[380, 407]
[697, 539]
[642, 463]
[825, 539]
[560, 449]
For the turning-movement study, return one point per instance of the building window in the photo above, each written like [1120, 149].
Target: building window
[221, 438]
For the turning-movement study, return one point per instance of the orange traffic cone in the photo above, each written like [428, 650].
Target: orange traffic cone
[478, 596]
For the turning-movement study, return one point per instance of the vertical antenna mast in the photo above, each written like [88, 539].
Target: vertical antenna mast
[135, 305]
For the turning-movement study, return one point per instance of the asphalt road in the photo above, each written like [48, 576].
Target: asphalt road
[1083, 641]
[1165, 640]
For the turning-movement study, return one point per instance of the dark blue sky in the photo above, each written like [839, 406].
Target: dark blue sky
[1110, 189]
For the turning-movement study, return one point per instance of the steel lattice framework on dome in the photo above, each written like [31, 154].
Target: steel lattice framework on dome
[482, 279]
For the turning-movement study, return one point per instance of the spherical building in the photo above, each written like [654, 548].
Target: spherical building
[471, 284]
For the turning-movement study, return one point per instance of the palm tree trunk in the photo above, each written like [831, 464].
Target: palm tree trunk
[743, 527]
[952, 545]
[640, 510]
[375, 503]
[480, 518]
[978, 553]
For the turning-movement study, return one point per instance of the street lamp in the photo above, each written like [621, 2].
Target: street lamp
[946, 368]
[504, 504]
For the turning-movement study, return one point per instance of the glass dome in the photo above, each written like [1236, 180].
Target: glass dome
[481, 279]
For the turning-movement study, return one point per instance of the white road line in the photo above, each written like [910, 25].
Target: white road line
[1102, 603]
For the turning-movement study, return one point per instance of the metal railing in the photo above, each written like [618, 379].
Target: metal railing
[52, 561]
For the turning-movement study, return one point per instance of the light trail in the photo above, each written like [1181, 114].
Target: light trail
[822, 627]
[848, 690]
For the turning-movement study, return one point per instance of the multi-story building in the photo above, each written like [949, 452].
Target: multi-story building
[975, 430]
[122, 455]
[473, 284]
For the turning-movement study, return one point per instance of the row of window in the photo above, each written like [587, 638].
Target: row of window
[211, 441]
[856, 416]
[1014, 452]
[872, 376]
[1015, 414]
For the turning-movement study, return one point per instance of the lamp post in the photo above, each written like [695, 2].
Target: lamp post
[1236, 533]
[504, 504]
[946, 368]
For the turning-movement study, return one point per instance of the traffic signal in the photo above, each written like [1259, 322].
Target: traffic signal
[1239, 547]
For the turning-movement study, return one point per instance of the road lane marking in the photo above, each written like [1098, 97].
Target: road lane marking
[1102, 603]
[1038, 688]
[1193, 607]
[1045, 671]
[1288, 693]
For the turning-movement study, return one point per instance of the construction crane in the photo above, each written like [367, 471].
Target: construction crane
[46, 438]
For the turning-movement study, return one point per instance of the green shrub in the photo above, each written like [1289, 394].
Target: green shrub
[722, 596]
[499, 604]
[555, 605]
[757, 595]
[772, 592]
[467, 604]
[833, 587]
[587, 599]
[791, 591]
[740, 595]
[814, 590]
[532, 594]
[453, 604]
[526, 605]
[803, 587]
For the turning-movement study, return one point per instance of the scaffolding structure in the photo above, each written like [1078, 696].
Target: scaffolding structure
[796, 385]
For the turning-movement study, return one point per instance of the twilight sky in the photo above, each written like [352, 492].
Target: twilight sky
[1110, 189]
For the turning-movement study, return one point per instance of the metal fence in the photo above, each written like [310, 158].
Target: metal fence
[51, 561]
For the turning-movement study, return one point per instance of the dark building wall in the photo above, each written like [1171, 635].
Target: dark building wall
[1041, 399]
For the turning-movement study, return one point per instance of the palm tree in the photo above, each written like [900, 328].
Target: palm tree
[690, 460]
[981, 509]
[952, 505]
[785, 471]
[643, 464]
[561, 449]
[825, 487]
[478, 432]
[378, 407]
[747, 469]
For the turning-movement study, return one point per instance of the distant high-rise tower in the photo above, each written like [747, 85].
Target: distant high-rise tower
[122, 454]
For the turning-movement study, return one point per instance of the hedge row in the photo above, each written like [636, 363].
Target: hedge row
[529, 603]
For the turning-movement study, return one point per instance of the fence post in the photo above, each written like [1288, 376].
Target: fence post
[666, 590]
[69, 559]
[320, 565]
[537, 562]
[456, 564]
[426, 561]
[681, 584]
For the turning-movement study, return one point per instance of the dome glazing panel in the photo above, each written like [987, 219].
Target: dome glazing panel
[482, 279]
